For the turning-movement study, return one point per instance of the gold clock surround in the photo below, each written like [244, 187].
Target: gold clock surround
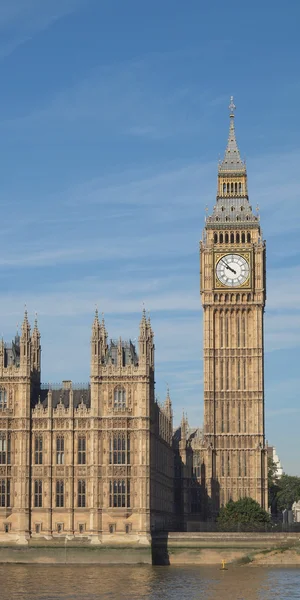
[218, 256]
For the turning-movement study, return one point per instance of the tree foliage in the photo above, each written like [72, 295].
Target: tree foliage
[287, 492]
[245, 512]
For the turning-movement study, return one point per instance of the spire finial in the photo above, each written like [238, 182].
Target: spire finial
[232, 107]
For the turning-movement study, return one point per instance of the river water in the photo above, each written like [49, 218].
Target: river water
[40, 582]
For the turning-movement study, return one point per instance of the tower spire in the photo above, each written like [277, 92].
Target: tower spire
[232, 159]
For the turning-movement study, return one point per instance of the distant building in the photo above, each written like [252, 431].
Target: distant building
[296, 511]
[274, 456]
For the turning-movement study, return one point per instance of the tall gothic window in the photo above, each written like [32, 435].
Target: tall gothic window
[38, 450]
[59, 494]
[245, 464]
[221, 329]
[221, 374]
[239, 465]
[238, 374]
[222, 417]
[3, 398]
[120, 398]
[119, 450]
[228, 417]
[238, 329]
[81, 493]
[82, 450]
[60, 450]
[38, 494]
[239, 417]
[245, 418]
[4, 448]
[227, 329]
[244, 374]
[222, 465]
[243, 329]
[4, 493]
[119, 493]
[228, 464]
[227, 374]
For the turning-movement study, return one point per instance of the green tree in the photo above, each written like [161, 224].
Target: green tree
[288, 491]
[244, 512]
[272, 484]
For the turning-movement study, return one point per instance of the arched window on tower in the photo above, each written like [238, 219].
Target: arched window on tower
[215, 238]
[235, 187]
[232, 238]
[238, 329]
[237, 238]
[221, 330]
[243, 238]
[248, 237]
[228, 188]
[224, 188]
[243, 328]
[226, 238]
[221, 238]
[232, 187]
[240, 188]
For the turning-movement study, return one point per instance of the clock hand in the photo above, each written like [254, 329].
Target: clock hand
[228, 267]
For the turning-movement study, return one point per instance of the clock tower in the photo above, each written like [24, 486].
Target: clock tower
[233, 292]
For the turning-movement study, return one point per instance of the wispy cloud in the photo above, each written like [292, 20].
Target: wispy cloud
[22, 19]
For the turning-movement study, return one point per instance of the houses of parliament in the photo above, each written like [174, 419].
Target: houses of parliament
[103, 462]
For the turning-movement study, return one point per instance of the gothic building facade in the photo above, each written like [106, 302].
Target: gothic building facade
[102, 461]
[95, 462]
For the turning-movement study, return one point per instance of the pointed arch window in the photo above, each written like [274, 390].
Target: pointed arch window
[119, 449]
[232, 238]
[119, 493]
[81, 495]
[60, 450]
[248, 237]
[82, 450]
[221, 238]
[215, 238]
[243, 238]
[226, 238]
[4, 493]
[5, 446]
[237, 238]
[60, 489]
[38, 494]
[120, 398]
[3, 398]
[38, 450]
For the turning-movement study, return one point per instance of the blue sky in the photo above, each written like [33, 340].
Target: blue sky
[113, 115]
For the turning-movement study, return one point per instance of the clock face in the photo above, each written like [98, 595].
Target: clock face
[232, 270]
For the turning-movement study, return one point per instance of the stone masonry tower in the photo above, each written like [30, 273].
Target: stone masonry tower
[233, 291]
